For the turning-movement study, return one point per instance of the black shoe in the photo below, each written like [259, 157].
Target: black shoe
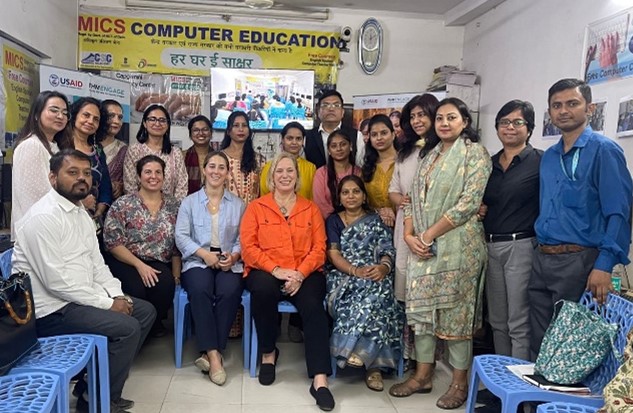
[486, 397]
[80, 387]
[82, 405]
[494, 407]
[323, 397]
[124, 403]
[267, 371]
[158, 330]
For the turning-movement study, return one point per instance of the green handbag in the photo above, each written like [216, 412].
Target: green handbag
[575, 344]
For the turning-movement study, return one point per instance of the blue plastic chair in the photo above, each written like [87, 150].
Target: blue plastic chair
[282, 307]
[66, 356]
[183, 323]
[30, 393]
[492, 371]
[565, 408]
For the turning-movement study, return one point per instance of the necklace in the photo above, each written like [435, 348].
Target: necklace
[347, 220]
[283, 207]
[213, 206]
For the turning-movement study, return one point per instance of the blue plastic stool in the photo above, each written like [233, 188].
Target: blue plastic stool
[282, 307]
[565, 408]
[30, 393]
[182, 324]
[66, 356]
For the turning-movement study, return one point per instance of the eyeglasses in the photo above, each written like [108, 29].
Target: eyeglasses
[114, 115]
[517, 123]
[56, 111]
[153, 119]
[326, 105]
[201, 130]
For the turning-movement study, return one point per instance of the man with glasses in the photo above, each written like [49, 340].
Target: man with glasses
[330, 112]
[584, 224]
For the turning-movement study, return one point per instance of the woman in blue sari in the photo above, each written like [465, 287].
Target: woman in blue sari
[368, 320]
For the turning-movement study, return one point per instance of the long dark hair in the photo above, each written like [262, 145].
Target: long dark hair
[331, 171]
[468, 132]
[248, 161]
[428, 104]
[63, 138]
[371, 154]
[142, 135]
[360, 184]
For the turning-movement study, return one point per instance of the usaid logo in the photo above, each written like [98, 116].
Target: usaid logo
[53, 80]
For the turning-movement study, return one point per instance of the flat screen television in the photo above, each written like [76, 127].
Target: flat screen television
[271, 98]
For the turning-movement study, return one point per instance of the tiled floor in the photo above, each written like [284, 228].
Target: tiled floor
[157, 386]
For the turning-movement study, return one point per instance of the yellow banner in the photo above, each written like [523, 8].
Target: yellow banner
[193, 48]
[19, 73]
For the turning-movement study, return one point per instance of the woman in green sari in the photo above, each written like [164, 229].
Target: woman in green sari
[448, 260]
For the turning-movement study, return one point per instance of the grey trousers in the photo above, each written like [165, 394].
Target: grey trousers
[125, 333]
[555, 277]
[507, 278]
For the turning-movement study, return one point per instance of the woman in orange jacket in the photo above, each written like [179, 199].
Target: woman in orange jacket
[283, 248]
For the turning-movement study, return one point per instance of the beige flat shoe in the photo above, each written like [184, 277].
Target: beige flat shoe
[354, 361]
[202, 363]
[373, 380]
[219, 377]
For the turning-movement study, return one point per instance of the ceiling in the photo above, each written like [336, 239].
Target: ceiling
[438, 7]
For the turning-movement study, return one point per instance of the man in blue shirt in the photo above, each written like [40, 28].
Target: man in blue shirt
[584, 225]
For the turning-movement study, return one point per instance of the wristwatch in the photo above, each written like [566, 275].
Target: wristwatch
[126, 298]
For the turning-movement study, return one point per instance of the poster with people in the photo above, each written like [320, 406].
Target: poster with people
[625, 118]
[608, 52]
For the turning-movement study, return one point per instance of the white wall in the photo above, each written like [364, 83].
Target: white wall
[49, 27]
[519, 49]
[413, 48]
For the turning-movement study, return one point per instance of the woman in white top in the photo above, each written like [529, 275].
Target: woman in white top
[46, 131]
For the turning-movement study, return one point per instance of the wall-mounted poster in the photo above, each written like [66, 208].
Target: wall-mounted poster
[549, 130]
[608, 52]
[596, 121]
[625, 118]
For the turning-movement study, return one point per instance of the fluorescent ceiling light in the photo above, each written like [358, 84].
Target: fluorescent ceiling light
[238, 9]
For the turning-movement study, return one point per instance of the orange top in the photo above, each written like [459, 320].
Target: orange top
[269, 240]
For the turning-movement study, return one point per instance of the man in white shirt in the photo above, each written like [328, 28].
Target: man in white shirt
[73, 290]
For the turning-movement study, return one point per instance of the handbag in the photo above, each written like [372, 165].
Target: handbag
[575, 344]
[18, 335]
[617, 393]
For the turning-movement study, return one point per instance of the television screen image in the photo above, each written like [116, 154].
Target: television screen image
[271, 98]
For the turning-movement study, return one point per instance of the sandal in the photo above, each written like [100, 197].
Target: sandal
[373, 380]
[354, 361]
[454, 397]
[412, 385]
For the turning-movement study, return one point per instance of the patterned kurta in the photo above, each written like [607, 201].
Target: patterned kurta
[115, 155]
[443, 295]
[367, 318]
[130, 224]
[245, 186]
[175, 179]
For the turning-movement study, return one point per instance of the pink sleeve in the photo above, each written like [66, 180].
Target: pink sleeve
[320, 192]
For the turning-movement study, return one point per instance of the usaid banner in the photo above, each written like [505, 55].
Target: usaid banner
[76, 84]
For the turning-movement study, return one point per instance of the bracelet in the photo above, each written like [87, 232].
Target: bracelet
[387, 264]
[124, 297]
[274, 269]
[350, 269]
[354, 268]
[426, 244]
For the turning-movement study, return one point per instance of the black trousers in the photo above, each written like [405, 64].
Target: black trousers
[160, 296]
[125, 333]
[555, 277]
[214, 297]
[266, 294]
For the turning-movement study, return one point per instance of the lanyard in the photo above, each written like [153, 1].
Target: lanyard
[574, 165]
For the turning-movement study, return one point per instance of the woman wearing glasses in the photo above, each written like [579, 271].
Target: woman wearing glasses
[114, 149]
[200, 134]
[45, 131]
[512, 202]
[153, 139]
